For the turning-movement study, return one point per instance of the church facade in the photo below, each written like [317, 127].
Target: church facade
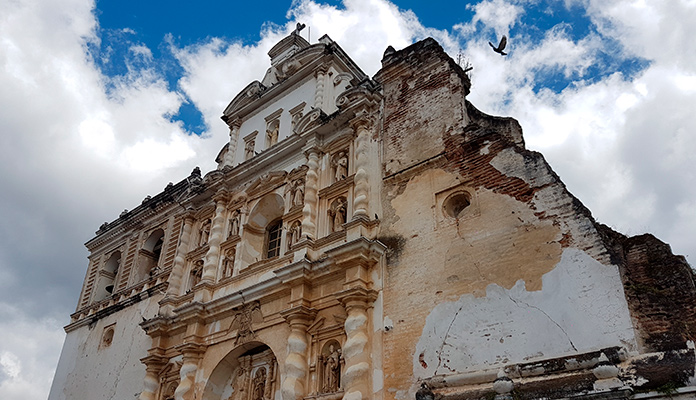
[367, 238]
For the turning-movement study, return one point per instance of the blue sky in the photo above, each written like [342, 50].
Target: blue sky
[161, 25]
[105, 103]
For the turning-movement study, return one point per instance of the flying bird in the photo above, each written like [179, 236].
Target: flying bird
[501, 46]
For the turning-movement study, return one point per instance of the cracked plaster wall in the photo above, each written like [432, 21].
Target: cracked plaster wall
[580, 307]
[87, 370]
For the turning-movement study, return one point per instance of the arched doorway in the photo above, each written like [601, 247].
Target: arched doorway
[249, 372]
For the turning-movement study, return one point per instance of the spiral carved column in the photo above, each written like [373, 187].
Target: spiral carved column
[309, 211]
[360, 201]
[153, 366]
[356, 351]
[212, 258]
[296, 366]
[192, 353]
[319, 94]
[180, 259]
[232, 147]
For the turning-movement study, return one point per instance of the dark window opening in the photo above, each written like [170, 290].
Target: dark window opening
[273, 239]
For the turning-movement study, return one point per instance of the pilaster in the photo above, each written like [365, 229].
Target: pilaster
[356, 351]
[362, 124]
[234, 138]
[192, 354]
[179, 262]
[319, 93]
[296, 366]
[311, 200]
[212, 257]
[153, 366]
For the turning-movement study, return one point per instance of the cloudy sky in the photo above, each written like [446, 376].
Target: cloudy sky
[104, 103]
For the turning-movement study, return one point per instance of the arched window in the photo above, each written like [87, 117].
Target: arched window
[149, 256]
[107, 276]
[262, 234]
[273, 238]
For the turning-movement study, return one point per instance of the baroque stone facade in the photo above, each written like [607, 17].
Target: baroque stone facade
[381, 238]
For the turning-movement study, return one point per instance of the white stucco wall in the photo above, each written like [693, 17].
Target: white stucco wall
[581, 307]
[86, 371]
[257, 122]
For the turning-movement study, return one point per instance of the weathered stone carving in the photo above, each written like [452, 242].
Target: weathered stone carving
[298, 192]
[243, 321]
[196, 273]
[339, 163]
[249, 149]
[234, 224]
[331, 363]
[228, 263]
[272, 133]
[337, 214]
[204, 233]
[296, 117]
[295, 233]
[259, 385]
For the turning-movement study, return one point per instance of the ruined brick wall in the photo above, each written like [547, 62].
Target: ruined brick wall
[659, 287]
[518, 272]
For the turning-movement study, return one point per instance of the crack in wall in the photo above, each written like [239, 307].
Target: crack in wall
[444, 340]
[547, 316]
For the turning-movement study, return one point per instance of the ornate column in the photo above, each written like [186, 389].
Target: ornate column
[356, 351]
[180, 259]
[311, 198]
[319, 93]
[212, 257]
[232, 147]
[296, 365]
[361, 125]
[192, 354]
[153, 366]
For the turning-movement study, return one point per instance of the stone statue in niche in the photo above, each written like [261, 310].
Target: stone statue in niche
[337, 214]
[295, 233]
[272, 133]
[234, 224]
[228, 263]
[204, 234]
[298, 192]
[249, 149]
[332, 370]
[196, 273]
[259, 385]
[340, 164]
[295, 120]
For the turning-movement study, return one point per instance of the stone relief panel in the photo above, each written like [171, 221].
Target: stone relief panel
[246, 315]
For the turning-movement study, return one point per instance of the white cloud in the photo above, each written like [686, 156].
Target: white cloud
[28, 353]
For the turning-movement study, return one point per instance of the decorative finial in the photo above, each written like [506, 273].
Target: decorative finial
[298, 28]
